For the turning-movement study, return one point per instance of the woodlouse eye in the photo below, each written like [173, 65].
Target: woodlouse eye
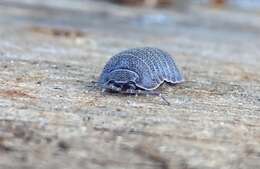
[129, 85]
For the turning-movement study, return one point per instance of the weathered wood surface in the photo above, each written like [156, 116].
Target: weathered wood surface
[49, 118]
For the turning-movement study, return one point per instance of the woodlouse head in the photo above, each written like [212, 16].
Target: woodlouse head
[120, 79]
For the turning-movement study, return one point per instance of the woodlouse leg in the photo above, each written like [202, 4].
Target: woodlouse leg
[164, 99]
[111, 88]
[103, 90]
[148, 93]
[131, 91]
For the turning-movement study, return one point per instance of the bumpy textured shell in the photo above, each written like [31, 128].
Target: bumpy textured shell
[152, 65]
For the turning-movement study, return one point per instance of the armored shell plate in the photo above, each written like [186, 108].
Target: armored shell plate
[146, 67]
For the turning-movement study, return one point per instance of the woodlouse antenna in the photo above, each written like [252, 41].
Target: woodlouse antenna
[92, 85]
[148, 93]
[102, 87]
[95, 84]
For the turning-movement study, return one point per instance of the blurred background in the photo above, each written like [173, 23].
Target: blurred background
[242, 4]
[184, 4]
[211, 22]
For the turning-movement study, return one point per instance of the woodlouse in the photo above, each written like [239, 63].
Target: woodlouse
[139, 70]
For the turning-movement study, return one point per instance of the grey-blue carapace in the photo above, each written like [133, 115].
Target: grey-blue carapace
[139, 69]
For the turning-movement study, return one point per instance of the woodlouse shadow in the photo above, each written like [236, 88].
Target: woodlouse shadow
[96, 87]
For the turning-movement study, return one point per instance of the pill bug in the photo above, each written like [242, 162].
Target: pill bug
[139, 70]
